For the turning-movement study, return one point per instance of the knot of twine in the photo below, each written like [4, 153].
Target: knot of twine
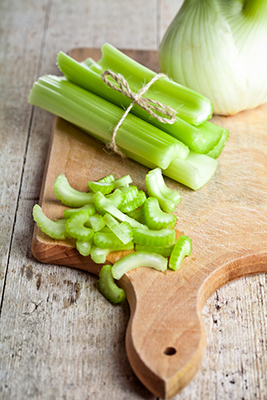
[153, 107]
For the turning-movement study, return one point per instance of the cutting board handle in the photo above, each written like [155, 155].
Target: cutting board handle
[165, 339]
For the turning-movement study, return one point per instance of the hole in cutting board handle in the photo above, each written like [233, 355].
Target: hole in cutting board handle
[170, 351]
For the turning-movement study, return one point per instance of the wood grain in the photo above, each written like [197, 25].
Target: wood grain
[59, 338]
[165, 339]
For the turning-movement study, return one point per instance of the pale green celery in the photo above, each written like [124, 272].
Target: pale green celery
[108, 287]
[95, 222]
[182, 248]
[84, 247]
[194, 172]
[130, 192]
[75, 226]
[154, 217]
[157, 238]
[99, 255]
[103, 187]
[140, 259]
[108, 178]
[99, 117]
[70, 196]
[70, 211]
[216, 151]
[54, 229]
[190, 105]
[135, 214]
[109, 240]
[200, 139]
[111, 209]
[135, 203]
[86, 63]
[122, 230]
[156, 187]
[116, 199]
[165, 251]
[123, 181]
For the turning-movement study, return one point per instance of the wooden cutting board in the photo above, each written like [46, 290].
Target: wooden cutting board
[226, 219]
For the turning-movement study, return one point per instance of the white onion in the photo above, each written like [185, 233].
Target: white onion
[219, 49]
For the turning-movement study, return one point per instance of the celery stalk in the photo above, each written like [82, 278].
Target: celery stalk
[140, 259]
[190, 105]
[200, 139]
[216, 151]
[108, 287]
[99, 117]
[54, 229]
[194, 172]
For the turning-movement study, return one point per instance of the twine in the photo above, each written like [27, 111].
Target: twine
[149, 105]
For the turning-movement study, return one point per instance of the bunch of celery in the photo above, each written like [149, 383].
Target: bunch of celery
[186, 150]
[116, 216]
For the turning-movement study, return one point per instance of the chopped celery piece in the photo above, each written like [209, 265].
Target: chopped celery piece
[216, 151]
[109, 240]
[99, 255]
[154, 217]
[190, 105]
[70, 211]
[68, 195]
[130, 192]
[108, 287]
[193, 172]
[95, 222]
[123, 181]
[147, 237]
[123, 217]
[199, 139]
[157, 188]
[182, 248]
[108, 178]
[122, 230]
[140, 259]
[75, 226]
[116, 199]
[54, 229]
[84, 247]
[165, 251]
[135, 203]
[99, 117]
[135, 214]
[103, 187]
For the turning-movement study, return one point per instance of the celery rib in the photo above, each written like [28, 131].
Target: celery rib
[110, 240]
[182, 248]
[68, 195]
[200, 139]
[190, 105]
[140, 259]
[122, 230]
[108, 287]
[157, 238]
[99, 117]
[156, 187]
[154, 217]
[54, 229]
[84, 247]
[75, 226]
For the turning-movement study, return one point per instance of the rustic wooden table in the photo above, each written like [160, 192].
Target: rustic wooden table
[60, 339]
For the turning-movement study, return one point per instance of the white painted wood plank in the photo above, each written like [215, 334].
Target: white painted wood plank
[20, 42]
